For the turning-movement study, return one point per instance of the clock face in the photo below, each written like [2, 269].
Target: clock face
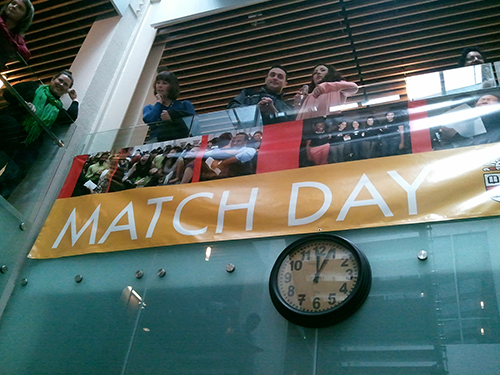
[319, 280]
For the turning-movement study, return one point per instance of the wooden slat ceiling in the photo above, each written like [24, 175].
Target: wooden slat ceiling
[369, 41]
[56, 35]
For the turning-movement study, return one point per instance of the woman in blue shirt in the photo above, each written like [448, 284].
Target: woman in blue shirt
[165, 117]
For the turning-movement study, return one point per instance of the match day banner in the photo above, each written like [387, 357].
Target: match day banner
[413, 188]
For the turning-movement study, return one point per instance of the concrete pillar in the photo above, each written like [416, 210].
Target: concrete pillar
[107, 71]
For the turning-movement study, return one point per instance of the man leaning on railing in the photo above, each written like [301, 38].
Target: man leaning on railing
[21, 135]
[269, 99]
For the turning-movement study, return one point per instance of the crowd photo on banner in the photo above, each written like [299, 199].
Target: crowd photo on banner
[170, 162]
[467, 120]
[174, 153]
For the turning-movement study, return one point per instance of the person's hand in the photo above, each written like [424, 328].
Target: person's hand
[72, 94]
[159, 98]
[318, 90]
[165, 116]
[401, 145]
[214, 165]
[266, 106]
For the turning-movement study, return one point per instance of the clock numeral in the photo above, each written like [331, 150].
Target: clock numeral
[302, 298]
[306, 255]
[317, 303]
[345, 263]
[320, 250]
[296, 265]
[343, 288]
[350, 273]
[291, 291]
[332, 299]
[288, 277]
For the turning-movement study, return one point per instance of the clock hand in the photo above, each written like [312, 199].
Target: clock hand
[316, 276]
[318, 271]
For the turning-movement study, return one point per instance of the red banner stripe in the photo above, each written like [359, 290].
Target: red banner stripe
[199, 159]
[420, 138]
[280, 147]
[73, 175]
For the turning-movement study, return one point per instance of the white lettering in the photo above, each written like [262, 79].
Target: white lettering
[292, 209]
[94, 219]
[411, 189]
[156, 216]
[177, 216]
[250, 206]
[377, 199]
[129, 211]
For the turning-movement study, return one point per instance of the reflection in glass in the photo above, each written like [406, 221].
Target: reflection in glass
[344, 107]
[455, 79]
[452, 81]
[423, 86]
[383, 99]
[131, 298]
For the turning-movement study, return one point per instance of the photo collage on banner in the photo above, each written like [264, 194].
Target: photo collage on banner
[453, 121]
[356, 135]
[180, 161]
[466, 119]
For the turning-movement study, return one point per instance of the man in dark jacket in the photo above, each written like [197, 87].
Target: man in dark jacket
[269, 99]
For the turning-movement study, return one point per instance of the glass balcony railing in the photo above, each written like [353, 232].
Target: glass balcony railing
[449, 109]
[451, 98]
[29, 161]
[360, 129]
[452, 81]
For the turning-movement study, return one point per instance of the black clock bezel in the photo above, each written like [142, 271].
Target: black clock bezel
[335, 315]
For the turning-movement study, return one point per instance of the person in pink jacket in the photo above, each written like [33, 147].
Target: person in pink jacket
[15, 18]
[327, 89]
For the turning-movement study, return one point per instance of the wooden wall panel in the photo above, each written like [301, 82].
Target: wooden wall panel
[369, 41]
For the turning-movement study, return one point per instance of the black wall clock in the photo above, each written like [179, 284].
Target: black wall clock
[319, 280]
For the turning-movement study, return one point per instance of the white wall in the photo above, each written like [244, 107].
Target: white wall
[107, 70]
[170, 10]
